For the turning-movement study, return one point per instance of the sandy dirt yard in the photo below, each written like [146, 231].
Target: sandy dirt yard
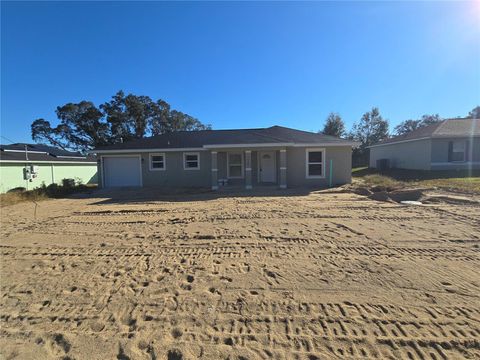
[283, 276]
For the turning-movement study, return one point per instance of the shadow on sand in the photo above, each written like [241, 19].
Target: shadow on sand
[153, 194]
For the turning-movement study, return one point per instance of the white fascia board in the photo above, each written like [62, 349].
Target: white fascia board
[455, 163]
[399, 142]
[28, 151]
[455, 136]
[252, 145]
[353, 143]
[70, 157]
[136, 151]
[47, 162]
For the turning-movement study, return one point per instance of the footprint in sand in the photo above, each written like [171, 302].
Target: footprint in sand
[121, 353]
[214, 291]
[174, 355]
[176, 333]
[186, 287]
[58, 345]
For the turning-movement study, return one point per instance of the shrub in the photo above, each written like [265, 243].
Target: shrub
[41, 193]
[68, 183]
[17, 190]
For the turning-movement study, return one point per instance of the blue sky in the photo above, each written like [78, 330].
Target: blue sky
[237, 65]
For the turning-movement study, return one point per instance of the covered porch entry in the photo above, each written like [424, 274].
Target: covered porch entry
[249, 167]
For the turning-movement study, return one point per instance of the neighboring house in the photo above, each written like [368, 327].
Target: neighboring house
[276, 156]
[31, 165]
[452, 144]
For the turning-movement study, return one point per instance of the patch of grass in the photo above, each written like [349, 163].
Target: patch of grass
[463, 181]
[467, 184]
[18, 197]
[381, 180]
[42, 193]
[359, 170]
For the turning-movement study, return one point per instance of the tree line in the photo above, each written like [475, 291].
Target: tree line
[84, 126]
[373, 128]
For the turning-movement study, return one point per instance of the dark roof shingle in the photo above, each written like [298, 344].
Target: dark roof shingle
[197, 139]
[445, 128]
[40, 152]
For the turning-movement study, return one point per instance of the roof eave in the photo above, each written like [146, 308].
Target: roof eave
[224, 146]
[398, 142]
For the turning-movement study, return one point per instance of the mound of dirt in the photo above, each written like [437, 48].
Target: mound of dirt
[449, 199]
[413, 196]
[382, 193]
[362, 191]
[406, 195]
[381, 196]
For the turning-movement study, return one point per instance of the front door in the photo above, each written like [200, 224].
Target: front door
[267, 166]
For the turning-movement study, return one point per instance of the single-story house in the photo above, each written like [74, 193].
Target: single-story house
[452, 144]
[31, 165]
[276, 156]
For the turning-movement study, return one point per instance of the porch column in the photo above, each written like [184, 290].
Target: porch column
[283, 168]
[248, 169]
[214, 170]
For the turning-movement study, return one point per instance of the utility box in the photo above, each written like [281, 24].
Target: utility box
[34, 171]
[27, 174]
[30, 172]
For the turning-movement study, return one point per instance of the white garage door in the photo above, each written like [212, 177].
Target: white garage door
[121, 171]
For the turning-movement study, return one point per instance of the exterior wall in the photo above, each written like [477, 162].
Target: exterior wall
[11, 175]
[439, 156]
[407, 155]
[222, 165]
[255, 168]
[175, 175]
[341, 158]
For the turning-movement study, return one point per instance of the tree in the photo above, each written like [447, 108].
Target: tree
[43, 132]
[159, 124]
[128, 116]
[80, 127]
[475, 113]
[429, 119]
[334, 125]
[371, 128]
[406, 126]
[83, 126]
[409, 125]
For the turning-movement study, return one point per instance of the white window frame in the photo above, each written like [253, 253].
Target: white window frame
[150, 161]
[185, 154]
[464, 143]
[242, 164]
[324, 154]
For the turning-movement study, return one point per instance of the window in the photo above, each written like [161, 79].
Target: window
[157, 162]
[235, 165]
[315, 163]
[191, 161]
[457, 151]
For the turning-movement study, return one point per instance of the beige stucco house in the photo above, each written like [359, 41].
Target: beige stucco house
[274, 156]
[452, 144]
